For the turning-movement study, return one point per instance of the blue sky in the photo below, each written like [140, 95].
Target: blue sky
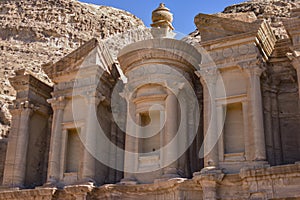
[184, 10]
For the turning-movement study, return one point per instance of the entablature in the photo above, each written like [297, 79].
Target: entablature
[167, 50]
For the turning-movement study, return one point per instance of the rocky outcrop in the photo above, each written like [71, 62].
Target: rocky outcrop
[36, 32]
[274, 11]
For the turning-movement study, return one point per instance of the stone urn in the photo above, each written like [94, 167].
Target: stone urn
[162, 17]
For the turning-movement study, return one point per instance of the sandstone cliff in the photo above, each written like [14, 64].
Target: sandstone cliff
[36, 32]
[274, 11]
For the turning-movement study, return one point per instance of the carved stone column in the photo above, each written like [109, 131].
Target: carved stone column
[208, 79]
[246, 130]
[15, 166]
[183, 134]
[113, 152]
[89, 137]
[55, 169]
[64, 140]
[256, 112]
[171, 171]
[131, 145]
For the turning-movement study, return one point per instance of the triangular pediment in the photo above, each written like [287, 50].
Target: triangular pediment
[92, 53]
[213, 27]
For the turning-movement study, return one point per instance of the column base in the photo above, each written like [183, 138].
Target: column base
[52, 181]
[49, 184]
[170, 173]
[211, 174]
[208, 170]
[128, 181]
[52, 184]
[8, 188]
[87, 182]
[169, 176]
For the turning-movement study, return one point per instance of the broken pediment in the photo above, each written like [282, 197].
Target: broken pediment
[219, 29]
[213, 27]
[92, 53]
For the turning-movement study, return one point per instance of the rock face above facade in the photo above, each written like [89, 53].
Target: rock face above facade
[36, 32]
[274, 11]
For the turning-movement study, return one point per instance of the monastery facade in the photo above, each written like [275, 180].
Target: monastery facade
[161, 117]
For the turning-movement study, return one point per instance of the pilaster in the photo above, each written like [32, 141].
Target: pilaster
[208, 78]
[55, 169]
[171, 129]
[15, 166]
[89, 138]
[131, 145]
[30, 99]
[254, 70]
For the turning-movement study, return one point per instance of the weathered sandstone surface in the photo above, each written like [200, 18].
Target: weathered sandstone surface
[36, 32]
[274, 11]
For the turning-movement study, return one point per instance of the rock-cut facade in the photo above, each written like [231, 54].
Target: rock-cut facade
[145, 114]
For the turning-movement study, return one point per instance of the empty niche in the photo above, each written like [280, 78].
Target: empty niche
[150, 121]
[74, 151]
[234, 129]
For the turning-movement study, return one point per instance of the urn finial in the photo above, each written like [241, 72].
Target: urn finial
[162, 17]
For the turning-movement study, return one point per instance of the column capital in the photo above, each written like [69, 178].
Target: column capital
[208, 76]
[18, 107]
[295, 60]
[57, 103]
[175, 89]
[294, 57]
[94, 98]
[254, 71]
[253, 67]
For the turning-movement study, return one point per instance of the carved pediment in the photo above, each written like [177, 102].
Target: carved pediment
[92, 53]
[222, 30]
[213, 27]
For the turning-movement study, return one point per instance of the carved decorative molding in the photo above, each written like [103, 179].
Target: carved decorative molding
[209, 174]
[94, 98]
[295, 58]
[208, 76]
[253, 67]
[27, 82]
[57, 103]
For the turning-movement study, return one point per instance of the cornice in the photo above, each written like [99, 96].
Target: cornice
[26, 82]
[155, 49]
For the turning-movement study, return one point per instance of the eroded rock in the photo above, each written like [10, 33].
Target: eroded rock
[36, 32]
